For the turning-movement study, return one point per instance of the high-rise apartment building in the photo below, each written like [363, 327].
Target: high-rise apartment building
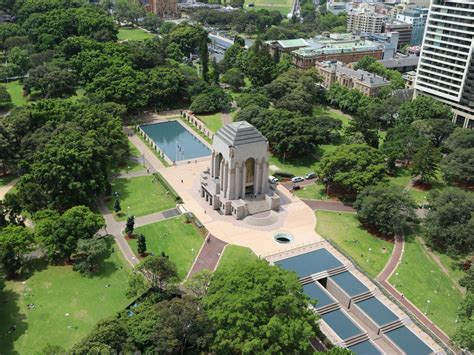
[403, 28]
[446, 69]
[364, 21]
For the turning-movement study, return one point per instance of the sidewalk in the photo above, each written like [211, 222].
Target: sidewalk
[208, 256]
[328, 206]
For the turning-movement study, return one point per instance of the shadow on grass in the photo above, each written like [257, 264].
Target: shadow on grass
[12, 324]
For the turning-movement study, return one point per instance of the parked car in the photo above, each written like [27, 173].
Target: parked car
[297, 179]
[272, 179]
[310, 176]
[296, 187]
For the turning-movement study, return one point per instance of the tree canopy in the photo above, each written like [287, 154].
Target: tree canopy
[449, 222]
[353, 167]
[388, 209]
[258, 309]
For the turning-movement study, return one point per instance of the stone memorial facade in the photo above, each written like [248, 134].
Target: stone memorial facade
[237, 181]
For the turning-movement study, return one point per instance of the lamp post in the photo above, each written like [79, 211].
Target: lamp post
[396, 279]
[427, 304]
[368, 256]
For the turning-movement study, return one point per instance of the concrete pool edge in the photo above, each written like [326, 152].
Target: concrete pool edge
[158, 150]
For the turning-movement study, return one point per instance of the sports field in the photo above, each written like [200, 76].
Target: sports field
[284, 6]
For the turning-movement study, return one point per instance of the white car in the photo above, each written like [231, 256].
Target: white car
[297, 179]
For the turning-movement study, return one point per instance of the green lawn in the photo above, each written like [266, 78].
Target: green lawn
[303, 165]
[213, 122]
[284, 6]
[56, 291]
[179, 240]
[325, 111]
[133, 165]
[133, 34]
[420, 279]
[140, 196]
[345, 230]
[234, 254]
[15, 89]
[316, 191]
[403, 177]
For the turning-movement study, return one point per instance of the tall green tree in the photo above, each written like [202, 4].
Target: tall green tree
[259, 65]
[388, 209]
[88, 253]
[449, 223]
[424, 108]
[204, 58]
[141, 244]
[426, 164]
[183, 327]
[15, 243]
[160, 271]
[353, 167]
[258, 309]
[60, 234]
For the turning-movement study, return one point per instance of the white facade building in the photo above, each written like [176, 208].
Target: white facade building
[446, 69]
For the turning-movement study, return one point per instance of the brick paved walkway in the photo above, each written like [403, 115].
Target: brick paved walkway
[383, 277]
[208, 256]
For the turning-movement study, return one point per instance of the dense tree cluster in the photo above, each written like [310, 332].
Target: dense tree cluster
[262, 304]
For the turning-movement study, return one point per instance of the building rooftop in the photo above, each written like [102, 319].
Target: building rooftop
[239, 133]
[290, 43]
[400, 62]
[359, 75]
[332, 47]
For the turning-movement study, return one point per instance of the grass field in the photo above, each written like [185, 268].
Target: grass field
[133, 34]
[15, 89]
[345, 230]
[403, 177]
[420, 279]
[284, 6]
[213, 122]
[133, 165]
[326, 111]
[140, 196]
[303, 165]
[316, 191]
[179, 240]
[56, 291]
[234, 254]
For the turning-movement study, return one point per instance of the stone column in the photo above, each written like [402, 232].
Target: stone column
[244, 173]
[213, 164]
[221, 175]
[257, 177]
[237, 182]
[231, 188]
[226, 179]
[264, 176]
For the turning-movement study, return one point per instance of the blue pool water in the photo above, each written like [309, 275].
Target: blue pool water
[365, 348]
[176, 141]
[341, 324]
[377, 311]
[349, 283]
[314, 290]
[310, 263]
[408, 342]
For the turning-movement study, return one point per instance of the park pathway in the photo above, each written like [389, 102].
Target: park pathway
[115, 228]
[209, 255]
[394, 260]
[226, 118]
[383, 277]
[4, 189]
